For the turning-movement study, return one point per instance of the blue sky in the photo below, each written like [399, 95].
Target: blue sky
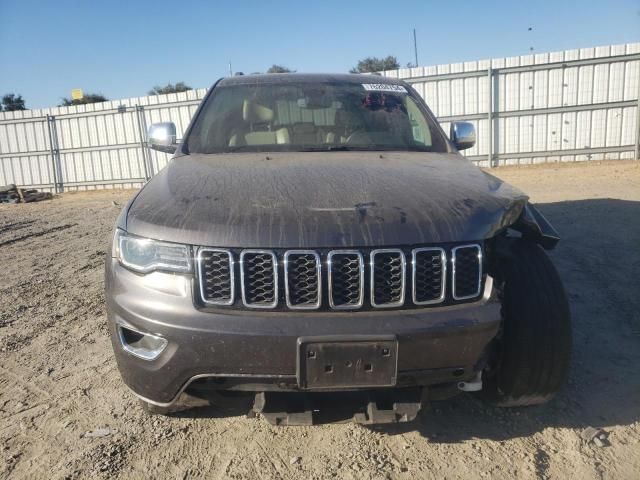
[122, 49]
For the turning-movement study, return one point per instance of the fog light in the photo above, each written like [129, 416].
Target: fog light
[141, 345]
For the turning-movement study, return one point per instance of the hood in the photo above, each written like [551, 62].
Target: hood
[322, 199]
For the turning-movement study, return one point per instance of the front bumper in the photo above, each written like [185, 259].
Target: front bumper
[435, 345]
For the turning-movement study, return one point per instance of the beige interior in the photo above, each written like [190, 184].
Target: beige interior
[254, 112]
[259, 120]
[278, 137]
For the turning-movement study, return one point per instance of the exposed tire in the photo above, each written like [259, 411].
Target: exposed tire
[531, 355]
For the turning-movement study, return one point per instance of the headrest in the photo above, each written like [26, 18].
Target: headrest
[253, 112]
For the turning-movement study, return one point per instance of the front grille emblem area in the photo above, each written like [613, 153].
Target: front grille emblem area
[340, 279]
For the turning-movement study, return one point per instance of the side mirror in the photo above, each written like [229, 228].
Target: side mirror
[162, 137]
[463, 135]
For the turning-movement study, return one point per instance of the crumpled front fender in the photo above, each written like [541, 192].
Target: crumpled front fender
[534, 226]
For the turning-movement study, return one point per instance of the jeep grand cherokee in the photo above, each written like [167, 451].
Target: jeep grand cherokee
[320, 233]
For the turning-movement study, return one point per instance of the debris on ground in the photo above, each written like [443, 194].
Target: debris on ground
[596, 436]
[12, 194]
[98, 432]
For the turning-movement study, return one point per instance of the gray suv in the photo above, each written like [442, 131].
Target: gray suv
[317, 241]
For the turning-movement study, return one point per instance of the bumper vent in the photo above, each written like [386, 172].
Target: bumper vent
[390, 278]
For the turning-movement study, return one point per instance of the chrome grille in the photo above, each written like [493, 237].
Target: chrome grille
[429, 275]
[346, 279]
[259, 278]
[303, 280]
[383, 282]
[467, 271]
[387, 278]
[217, 285]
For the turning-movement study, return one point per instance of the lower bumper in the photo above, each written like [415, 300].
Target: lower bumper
[258, 350]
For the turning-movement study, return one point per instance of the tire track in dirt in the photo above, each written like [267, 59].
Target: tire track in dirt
[16, 226]
[37, 234]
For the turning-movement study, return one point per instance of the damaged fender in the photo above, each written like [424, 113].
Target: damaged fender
[534, 226]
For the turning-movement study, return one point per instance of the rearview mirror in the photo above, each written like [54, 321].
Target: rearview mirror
[463, 135]
[162, 137]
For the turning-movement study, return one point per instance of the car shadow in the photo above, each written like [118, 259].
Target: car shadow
[598, 260]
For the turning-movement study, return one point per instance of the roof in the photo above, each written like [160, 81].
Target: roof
[310, 78]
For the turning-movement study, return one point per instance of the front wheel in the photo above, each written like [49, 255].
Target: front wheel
[531, 354]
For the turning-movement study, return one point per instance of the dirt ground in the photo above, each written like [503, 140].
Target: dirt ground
[60, 388]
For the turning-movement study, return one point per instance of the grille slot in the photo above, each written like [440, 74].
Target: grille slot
[467, 271]
[429, 273]
[387, 278]
[302, 279]
[346, 279]
[259, 278]
[217, 283]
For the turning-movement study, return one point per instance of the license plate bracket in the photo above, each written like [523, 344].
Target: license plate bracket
[347, 362]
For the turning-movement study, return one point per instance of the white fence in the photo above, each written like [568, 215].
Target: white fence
[562, 106]
[89, 146]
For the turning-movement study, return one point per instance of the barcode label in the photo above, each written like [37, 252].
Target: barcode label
[384, 87]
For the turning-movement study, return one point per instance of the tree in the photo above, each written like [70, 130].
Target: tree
[12, 102]
[279, 69]
[170, 88]
[375, 64]
[87, 98]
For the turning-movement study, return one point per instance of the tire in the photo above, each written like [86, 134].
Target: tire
[530, 360]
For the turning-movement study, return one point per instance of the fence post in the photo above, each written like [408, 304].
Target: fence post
[54, 148]
[53, 158]
[637, 151]
[142, 142]
[490, 116]
[145, 129]
[54, 124]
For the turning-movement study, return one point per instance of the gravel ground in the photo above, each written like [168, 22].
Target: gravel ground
[66, 414]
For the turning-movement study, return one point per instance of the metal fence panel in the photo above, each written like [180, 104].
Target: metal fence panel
[542, 105]
[575, 105]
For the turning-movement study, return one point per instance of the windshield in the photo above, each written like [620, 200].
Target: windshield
[306, 116]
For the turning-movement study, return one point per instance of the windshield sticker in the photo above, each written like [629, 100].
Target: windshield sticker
[384, 87]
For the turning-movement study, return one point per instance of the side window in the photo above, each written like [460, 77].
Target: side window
[419, 127]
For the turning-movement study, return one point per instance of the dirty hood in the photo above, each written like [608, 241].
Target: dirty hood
[327, 199]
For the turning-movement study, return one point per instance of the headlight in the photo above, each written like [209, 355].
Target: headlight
[145, 255]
